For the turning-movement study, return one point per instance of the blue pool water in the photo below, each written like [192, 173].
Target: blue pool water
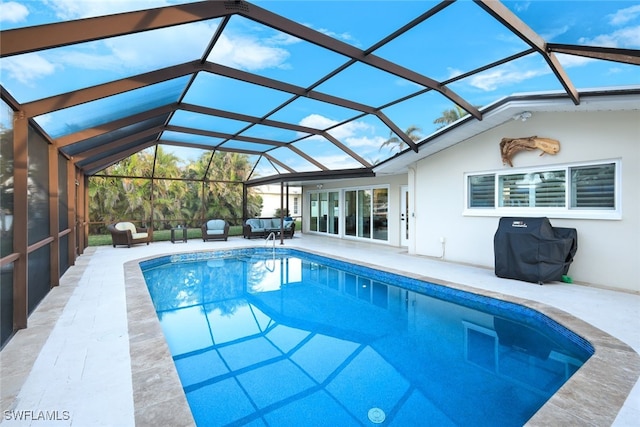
[294, 339]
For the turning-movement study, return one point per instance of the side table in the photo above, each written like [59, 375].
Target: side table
[178, 229]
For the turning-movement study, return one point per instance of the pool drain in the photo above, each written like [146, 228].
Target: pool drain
[376, 415]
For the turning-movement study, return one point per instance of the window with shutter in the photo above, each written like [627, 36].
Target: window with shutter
[593, 187]
[482, 191]
[571, 191]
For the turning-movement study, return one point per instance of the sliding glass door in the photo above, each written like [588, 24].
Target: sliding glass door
[324, 211]
[364, 213]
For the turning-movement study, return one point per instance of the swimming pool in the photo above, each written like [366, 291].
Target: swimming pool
[293, 338]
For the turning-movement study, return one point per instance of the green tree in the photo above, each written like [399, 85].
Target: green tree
[223, 188]
[169, 194]
[178, 189]
[104, 199]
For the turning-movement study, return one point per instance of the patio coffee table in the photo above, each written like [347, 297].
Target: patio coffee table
[184, 234]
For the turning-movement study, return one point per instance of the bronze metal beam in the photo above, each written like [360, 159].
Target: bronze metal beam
[307, 157]
[71, 212]
[313, 176]
[303, 32]
[346, 149]
[20, 227]
[97, 151]
[279, 163]
[115, 158]
[625, 56]
[80, 96]
[247, 118]
[398, 132]
[73, 138]
[507, 18]
[223, 135]
[54, 216]
[234, 73]
[31, 39]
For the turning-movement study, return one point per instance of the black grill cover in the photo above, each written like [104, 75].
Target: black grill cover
[530, 249]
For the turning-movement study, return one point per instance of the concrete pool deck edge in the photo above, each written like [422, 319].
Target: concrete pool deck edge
[611, 372]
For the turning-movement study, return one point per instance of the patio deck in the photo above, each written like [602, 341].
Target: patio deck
[85, 361]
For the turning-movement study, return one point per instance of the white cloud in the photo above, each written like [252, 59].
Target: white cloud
[340, 36]
[152, 49]
[344, 36]
[337, 161]
[568, 61]
[628, 37]
[13, 12]
[247, 53]
[280, 39]
[625, 15]
[491, 80]
[158, 48]
[90, 61]
[74, 9]
[365, 141]
[453, 72]
[555, 32]
[27, 68]
[355, 134]
[521, 6]
[351, 130]
[317, 121]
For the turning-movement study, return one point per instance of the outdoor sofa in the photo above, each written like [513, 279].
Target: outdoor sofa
[262, 227]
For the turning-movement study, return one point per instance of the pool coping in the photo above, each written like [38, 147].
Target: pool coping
[159, 399]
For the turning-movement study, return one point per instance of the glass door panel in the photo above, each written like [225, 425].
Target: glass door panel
[324, 207]
[334, 212]
[364, 213]
[313, 217]
[350, 211]
[380, 211]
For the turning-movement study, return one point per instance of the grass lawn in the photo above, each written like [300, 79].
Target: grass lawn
[161, 235]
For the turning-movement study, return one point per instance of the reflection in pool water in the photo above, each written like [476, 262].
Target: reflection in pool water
[290, 338]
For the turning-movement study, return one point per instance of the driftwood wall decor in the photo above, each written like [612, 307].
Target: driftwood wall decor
[510, 146]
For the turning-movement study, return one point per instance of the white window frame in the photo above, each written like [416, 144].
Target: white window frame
[551, 212]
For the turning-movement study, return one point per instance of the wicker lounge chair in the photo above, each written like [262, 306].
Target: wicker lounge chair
[215, 229]
[125, 233]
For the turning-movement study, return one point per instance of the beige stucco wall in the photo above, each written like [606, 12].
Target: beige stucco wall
[608, 250]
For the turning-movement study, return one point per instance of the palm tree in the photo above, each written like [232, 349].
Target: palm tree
[450, 116]
[413, 132]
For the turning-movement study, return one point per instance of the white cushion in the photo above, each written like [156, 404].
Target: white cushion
[139, 235]
[214, 232]
[123, 226]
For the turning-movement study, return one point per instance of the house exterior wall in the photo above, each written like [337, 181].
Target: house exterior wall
[271, 200]
[608, 250]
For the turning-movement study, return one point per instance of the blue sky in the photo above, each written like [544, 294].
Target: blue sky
[459, 39]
